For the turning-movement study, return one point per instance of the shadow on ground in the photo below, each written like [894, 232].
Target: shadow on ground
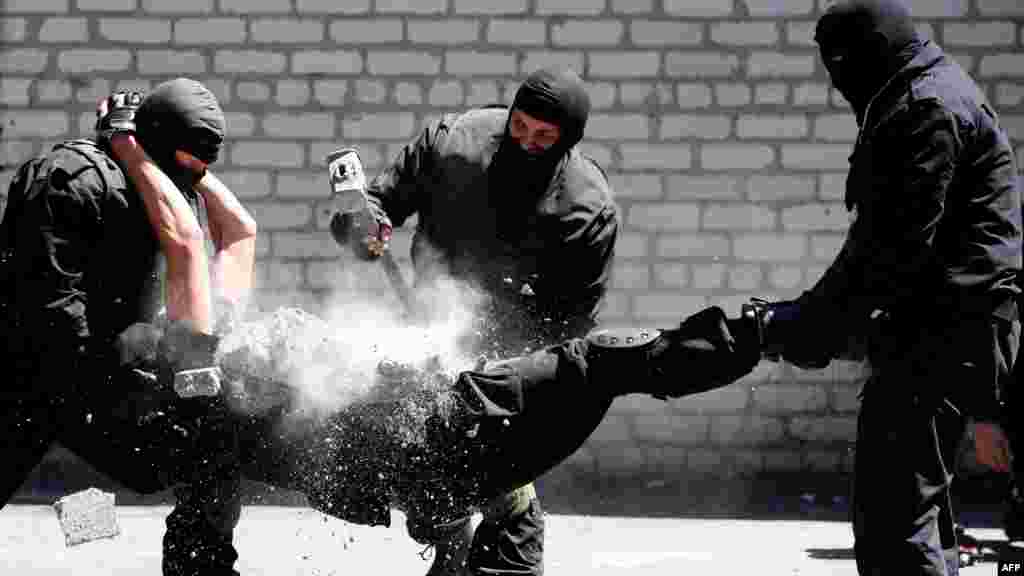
[831, 553]
[565, 490]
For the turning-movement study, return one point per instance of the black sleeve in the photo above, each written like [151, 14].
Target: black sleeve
[890, 247]
[574, 276]
[394, 193]
[56, 224]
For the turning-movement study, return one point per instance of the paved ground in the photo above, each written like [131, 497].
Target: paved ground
[275, 540]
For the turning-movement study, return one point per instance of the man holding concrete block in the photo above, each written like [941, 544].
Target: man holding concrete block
[82, 241]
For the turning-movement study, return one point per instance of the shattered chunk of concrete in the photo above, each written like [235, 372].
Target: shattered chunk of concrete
[86, 516]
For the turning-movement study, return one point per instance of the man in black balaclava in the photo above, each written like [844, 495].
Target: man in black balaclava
[549, 113]
[863, 44]
[92, 362]
[181, 126]
[924, 286]
[509, 205]
[131, 241]
[181, 115]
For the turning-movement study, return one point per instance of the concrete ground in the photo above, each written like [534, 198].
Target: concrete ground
[291, 540]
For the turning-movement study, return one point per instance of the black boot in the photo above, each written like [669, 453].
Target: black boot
[1013, 516]
[510, 543]
[198, 541]
[706, 351]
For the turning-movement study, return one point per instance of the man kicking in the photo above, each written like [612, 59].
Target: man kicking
[439, 445]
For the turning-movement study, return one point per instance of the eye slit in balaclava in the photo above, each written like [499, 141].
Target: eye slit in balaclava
[180, 114]
[862, 43]
[556, 96]
[518, 178]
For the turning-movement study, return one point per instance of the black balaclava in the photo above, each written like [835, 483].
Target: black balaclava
[180, 114]
[556, 96]
[875, 39]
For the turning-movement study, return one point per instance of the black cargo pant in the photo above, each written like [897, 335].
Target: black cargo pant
[1013, 516]
[908, 429]
[145, 439]
[494, 439]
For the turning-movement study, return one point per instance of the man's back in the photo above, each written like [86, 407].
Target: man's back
[931, 151]
[82, 261]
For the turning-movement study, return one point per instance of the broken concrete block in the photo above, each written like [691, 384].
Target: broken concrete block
[86, 516]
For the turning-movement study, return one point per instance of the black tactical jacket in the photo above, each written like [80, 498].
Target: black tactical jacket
[81, 262]
[545, 267]
[935, 244]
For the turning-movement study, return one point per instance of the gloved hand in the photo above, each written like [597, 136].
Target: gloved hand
[189, 355]
[778, 332]
[115, 114]
[365, 233]
[356, 222]
[137, 348]
[709, 350]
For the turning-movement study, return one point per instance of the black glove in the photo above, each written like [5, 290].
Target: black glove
[710, 350]
[356, 222]
[366, 233]
[138, 348]
[116, 115]
[190, 359]
[782, 333]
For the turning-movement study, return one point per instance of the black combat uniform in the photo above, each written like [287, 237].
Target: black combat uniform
[534, 233]
[926, 278]
[439, 446]
[81, 269]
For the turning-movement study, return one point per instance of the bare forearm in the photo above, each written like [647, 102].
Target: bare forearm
[178, 233]
[234, 237]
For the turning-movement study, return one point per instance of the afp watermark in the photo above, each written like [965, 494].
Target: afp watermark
[1011, 561]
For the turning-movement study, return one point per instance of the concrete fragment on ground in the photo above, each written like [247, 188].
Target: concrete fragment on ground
[86, 516]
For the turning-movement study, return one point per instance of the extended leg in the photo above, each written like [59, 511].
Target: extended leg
[438, 456]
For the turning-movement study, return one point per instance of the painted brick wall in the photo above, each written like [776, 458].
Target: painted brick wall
[726, 146]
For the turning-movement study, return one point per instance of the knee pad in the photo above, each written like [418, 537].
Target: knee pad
[514, 503]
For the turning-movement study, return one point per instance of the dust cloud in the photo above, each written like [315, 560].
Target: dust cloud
[363, 347]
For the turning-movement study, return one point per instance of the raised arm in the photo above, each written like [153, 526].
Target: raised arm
[178, 232]
[233, 231]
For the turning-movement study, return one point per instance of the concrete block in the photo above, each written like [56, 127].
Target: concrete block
[635, 64]
[86, 516]
[759, 33]
[700, 65]
[575, 32]
[570, 7]
[450, 31]
[526, 32]
[694, 126]
[675, 246]
[178, 6]
[718, 187]
[698, 8]
[357, 32]
[665, 33]
[64, 30]
[286, 30]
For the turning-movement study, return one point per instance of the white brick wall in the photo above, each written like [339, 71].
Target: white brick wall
[715, 121]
